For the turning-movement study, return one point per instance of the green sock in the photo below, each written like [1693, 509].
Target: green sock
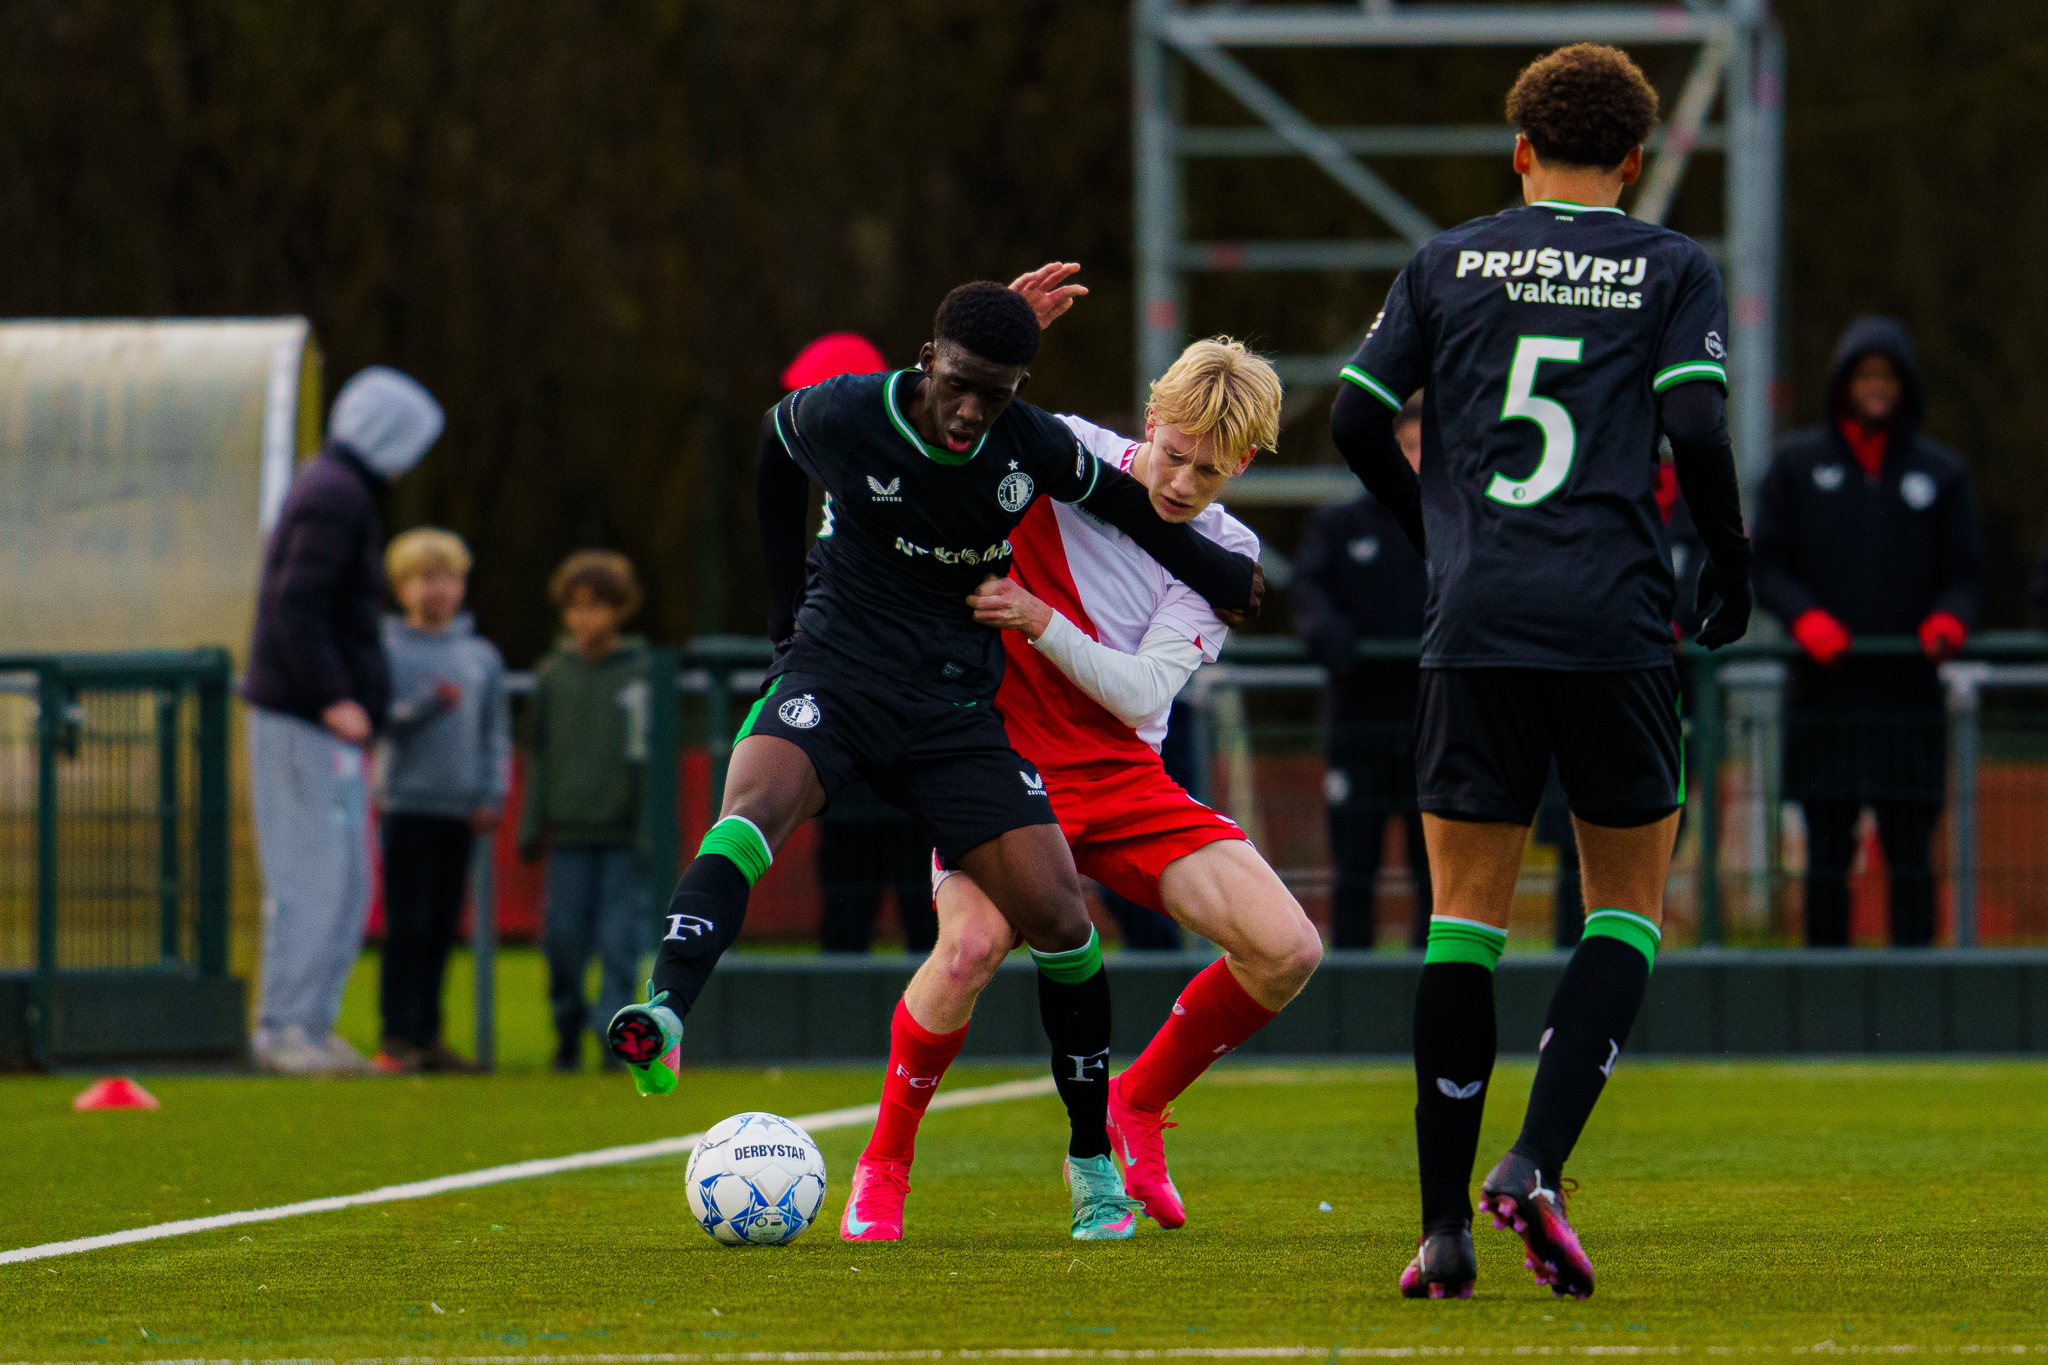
[1637, 931]
[1464, 940]
[739, 839]
[1073, 966]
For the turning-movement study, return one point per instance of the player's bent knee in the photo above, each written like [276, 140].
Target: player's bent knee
[1287, 960]
[970, 957]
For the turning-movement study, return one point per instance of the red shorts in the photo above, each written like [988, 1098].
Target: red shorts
[1126, 826]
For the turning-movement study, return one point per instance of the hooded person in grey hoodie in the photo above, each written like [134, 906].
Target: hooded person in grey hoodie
[317, 687]
[442, 776]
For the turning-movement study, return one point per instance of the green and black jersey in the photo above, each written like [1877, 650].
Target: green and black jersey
[911, 528]
[1543, 336]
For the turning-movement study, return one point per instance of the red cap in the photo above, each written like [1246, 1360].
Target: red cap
[833, 354]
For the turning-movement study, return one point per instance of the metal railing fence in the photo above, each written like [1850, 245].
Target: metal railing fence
[1975, 767]
[113, 817]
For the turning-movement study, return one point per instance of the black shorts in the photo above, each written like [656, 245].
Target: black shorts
[947, 764]
[1485, 738]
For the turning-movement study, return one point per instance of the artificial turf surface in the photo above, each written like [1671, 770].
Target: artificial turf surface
[1768, 1207]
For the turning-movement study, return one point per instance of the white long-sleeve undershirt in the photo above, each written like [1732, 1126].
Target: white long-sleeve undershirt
[1132, 687]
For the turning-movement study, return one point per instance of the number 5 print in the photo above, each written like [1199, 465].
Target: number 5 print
[1522, 404]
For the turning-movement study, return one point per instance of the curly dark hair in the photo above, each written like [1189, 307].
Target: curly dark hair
[1583, 105]
[604, 574]
[989, 320]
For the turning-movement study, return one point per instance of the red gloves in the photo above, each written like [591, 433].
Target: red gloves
[1825, 639]
[1941, 636]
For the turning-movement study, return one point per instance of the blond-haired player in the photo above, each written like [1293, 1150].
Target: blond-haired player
[1099, 638]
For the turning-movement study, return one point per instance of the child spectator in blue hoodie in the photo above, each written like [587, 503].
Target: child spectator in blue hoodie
[445, 769]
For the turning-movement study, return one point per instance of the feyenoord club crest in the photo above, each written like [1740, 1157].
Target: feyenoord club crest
[800, 713]
[1014, 492]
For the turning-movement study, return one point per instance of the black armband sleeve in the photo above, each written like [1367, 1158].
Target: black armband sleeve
[1221, 576]
[782, 494]
[1364, 430]
[1695, 417]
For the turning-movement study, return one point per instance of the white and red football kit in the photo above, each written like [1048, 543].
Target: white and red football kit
[1123, 816]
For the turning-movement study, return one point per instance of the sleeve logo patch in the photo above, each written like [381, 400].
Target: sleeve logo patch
[1014, 492]
[1714, 346]
[800, 713]
[1918, 491]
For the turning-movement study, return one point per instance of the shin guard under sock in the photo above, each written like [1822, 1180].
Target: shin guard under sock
[1211, 1018]
[1589, 1020]
[1455, 1044]
[708, 908]
[918, 1059]
[1073, 1004]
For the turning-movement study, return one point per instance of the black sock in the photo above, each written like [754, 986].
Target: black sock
[1589, 1020]
[1455, 1042]
[704, 917]
[1076, 1019]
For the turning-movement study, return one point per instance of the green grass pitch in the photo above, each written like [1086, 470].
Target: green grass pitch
[1764, 1208]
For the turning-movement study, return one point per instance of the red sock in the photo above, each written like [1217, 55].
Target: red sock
[1212, 1016]
[917, 1059]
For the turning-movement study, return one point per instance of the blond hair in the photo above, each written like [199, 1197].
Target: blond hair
[1223, 386]
[422, 550]
[606, 574]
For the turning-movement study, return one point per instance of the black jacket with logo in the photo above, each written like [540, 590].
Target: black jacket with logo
[1879, 555]
[1356, 577]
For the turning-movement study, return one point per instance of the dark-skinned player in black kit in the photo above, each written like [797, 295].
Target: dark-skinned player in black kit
[1558, 342]
[882, 675]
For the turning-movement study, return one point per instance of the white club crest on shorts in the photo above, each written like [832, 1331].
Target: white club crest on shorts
[800, 713]
[1014, 492]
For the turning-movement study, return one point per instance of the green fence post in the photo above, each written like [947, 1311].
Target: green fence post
[212, 834]
[169, 702]
[1707, 731]
[49, 735]
[659, 834]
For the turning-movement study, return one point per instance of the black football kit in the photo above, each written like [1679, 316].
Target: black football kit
[1548, 339]
[888, 677]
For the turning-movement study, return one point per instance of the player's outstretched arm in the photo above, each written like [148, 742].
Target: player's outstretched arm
[1695, 417]
[1229, 582]
[1364, 430]
[1131, 687]
[782, 495]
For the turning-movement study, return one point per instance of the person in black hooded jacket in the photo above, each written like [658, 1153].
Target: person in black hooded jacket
[1865, 526]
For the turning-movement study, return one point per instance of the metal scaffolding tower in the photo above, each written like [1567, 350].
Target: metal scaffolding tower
[1740, 56]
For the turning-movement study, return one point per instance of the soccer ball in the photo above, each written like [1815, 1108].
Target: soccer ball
[755, 1180]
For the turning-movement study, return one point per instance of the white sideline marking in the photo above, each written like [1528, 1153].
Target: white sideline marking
[519, 1170]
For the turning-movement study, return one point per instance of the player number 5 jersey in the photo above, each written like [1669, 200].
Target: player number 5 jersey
[1543, 336]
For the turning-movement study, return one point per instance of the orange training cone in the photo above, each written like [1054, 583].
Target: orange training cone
[115, 1092]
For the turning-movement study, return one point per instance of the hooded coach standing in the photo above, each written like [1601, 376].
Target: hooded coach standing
[317, 687]
[1865, 526]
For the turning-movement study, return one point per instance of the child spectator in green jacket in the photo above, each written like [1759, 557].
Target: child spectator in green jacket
[587, 758]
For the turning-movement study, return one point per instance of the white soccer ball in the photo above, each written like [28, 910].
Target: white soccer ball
[755, 1180]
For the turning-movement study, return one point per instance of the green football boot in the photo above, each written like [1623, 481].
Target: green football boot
[646, 1037]
[1102, 1212]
